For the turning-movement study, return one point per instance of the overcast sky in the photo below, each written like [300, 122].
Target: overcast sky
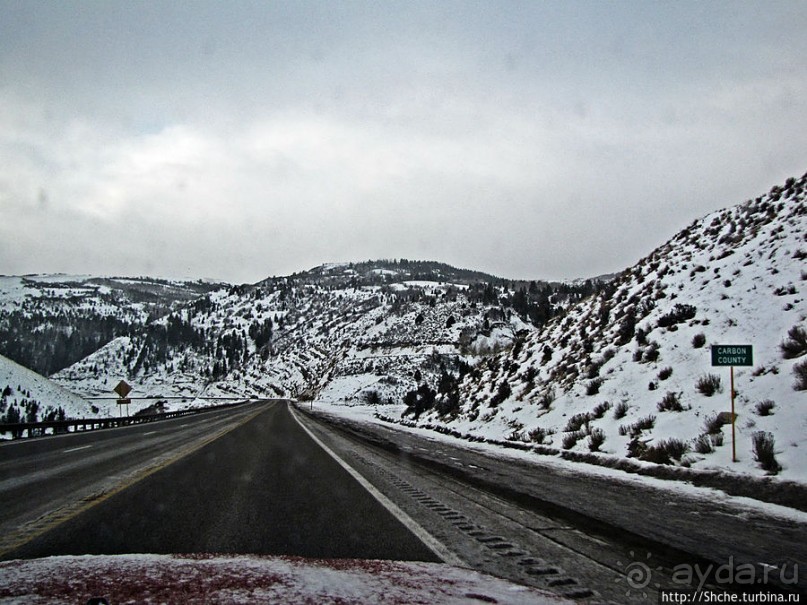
[239, 140]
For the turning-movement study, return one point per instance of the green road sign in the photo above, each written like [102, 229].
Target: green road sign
[732, 355]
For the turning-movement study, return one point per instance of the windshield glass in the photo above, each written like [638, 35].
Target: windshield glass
[430, 301]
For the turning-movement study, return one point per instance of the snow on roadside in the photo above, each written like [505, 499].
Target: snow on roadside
[367, 415]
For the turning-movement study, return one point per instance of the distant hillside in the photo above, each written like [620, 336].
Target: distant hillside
[372, 328]
[48, 322]
[380, 272]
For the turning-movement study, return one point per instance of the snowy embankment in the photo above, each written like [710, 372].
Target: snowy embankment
[30, 394]
[251, 579]
[626, 374]
[771, 496]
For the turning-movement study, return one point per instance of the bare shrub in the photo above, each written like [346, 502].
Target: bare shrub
[593, 387]
[646, 423]
[679, 314]
[641, 337]
[713, 424]
[596, 439]
[670, 403]
[698, 340]
[576, 422]
[665, 452]
[620, 410]
[763, 445]
[703, 444]
[635, 429]
[785, 290]
[651, 353]
[665, 373]
[546, 399]
[600, 409]
[539, 434]
[800, 370]
[503, 392]
[764, 407]
[571, 439]
[709, 384]
[796, 343]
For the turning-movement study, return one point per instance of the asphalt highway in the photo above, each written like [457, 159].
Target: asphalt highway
[45, 480]
[264, 486]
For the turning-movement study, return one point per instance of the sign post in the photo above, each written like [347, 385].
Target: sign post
[123, 389]
[732, 355]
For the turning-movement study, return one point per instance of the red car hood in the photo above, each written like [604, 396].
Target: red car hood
[189, 579]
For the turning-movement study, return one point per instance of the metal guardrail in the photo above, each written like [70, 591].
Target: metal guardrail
[60, 427]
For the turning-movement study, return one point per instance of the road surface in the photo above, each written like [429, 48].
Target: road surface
[263, 487]
[43, 481]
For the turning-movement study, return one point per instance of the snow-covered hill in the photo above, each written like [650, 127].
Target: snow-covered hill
[627, 372]
[48, 322]
[25, 396]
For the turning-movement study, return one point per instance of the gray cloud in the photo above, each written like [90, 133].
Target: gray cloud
[242, 140]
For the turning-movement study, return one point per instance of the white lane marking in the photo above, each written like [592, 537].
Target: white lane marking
[438, 548]
[149, 433]
[75, 449]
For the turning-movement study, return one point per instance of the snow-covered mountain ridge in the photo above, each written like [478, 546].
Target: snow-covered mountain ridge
[367, 331]
[627, 372]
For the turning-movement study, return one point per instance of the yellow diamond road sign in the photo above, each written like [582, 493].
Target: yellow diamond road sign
[123, 389]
